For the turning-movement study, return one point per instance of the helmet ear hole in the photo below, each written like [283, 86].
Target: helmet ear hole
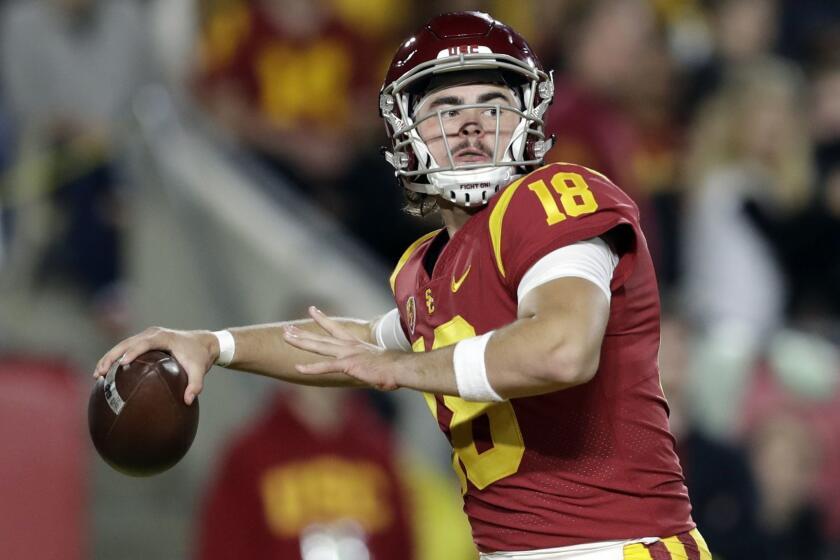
[536, 149]
[412, 158]
[530, 150]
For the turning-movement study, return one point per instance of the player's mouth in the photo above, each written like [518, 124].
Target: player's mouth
[471, 155]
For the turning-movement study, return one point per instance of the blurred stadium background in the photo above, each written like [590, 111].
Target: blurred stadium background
[209, 163]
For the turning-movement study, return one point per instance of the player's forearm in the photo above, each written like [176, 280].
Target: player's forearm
[430, 372]
[261, 349]
[533, 356]
[529, 357]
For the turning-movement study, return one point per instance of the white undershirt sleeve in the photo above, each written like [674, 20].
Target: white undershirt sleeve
[590, 259]
[388, 332]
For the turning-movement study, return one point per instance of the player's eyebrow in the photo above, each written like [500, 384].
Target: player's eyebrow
[455, 100]
[491, 95]
[446, 100]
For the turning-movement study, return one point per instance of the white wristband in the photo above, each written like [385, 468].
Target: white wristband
[470, 371]
[388, 333]
[227, 347]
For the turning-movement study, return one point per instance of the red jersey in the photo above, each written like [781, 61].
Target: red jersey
[281, 478]
[592, 463]
[295, 80]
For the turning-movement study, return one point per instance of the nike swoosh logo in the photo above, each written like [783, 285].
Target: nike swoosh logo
[456, 284]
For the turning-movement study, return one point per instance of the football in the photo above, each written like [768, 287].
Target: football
[137, 417]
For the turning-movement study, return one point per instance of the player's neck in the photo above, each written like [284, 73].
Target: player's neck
[454, 217]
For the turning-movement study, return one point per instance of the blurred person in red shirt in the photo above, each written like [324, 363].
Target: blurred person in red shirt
[795, 391]
[317, 469]
[611, 107]
[283, 77]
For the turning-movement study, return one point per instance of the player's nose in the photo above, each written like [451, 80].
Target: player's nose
[471, 128]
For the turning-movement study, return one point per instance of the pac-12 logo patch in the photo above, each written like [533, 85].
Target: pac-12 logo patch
[411, 314]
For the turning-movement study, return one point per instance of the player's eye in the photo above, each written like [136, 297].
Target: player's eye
[449, 113]
[492, 112]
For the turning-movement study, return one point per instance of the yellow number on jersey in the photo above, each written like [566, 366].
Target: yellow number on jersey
[504, 458]
[575, 197]
[501, 460]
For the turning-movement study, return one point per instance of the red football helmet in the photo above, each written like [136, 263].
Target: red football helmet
[473, 47]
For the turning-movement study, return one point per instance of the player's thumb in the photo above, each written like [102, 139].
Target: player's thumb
[194, 386]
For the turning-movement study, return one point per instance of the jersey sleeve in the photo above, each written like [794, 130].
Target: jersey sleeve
[555, 206]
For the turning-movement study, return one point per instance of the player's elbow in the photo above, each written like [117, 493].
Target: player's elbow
[572, 364]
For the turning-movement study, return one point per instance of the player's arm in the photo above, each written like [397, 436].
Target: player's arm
[554, 344]
[260, 349]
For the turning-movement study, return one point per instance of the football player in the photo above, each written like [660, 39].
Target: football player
[530, 320]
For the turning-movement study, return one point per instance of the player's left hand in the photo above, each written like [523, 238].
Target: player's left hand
[344, 353]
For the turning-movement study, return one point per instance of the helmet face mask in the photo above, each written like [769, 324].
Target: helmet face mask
[417, 135]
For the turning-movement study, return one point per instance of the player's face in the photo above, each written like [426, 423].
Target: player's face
[446, 120]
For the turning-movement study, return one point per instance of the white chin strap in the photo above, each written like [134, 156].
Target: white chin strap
[469, 187]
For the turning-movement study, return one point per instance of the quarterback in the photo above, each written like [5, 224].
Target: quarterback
[529, 321]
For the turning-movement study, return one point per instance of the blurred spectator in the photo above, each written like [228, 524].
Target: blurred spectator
[297, 82]
[750, 148]
[315, 464]
[651, 104]
[605, 39]
[743, 32]
[795, 391]
[318, 476]
[769, 490]
[785, 458]
[286, 77]
[718, 477]
[612, 66]
[803, 238]
[69, 70]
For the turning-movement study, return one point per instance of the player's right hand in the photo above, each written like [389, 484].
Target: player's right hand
[196, 351]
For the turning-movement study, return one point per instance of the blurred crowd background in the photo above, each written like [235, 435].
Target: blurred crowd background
[720, 117]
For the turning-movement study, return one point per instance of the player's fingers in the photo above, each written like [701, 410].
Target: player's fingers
[141, 346]
[329, 325]
[319, 347]
[303, 334]
[320, 368]
[112, 356]
[191, 393]
[104, 362]
[194, 387]
[195, 380]
[126, 351]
